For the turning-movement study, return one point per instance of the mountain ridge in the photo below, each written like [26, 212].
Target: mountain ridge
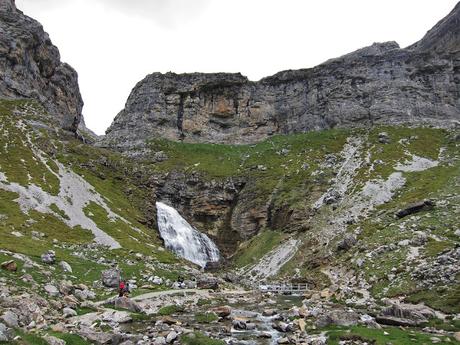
[30, 68]
[379, 84]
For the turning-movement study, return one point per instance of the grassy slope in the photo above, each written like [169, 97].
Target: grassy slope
[20, 164]
[296, 188]
[280, 170]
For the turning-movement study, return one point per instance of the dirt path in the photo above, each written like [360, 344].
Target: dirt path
[183, 292]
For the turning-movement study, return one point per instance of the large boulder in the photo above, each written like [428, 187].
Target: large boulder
[415, 207]
[339, 317]
[9, 266]
[100, 338]
[111, 277]
[222, 311]
[65, 266]
[125, 303]
[52, 290]
[53, 340]
[402, 314]
[208, 283]
[10, 319]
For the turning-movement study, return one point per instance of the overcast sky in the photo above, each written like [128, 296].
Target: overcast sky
[115, 43]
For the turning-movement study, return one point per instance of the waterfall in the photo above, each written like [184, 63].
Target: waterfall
[184, 240]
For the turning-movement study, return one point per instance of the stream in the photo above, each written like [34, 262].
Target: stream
[247, 308]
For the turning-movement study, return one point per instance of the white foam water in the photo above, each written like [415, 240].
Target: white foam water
[183, 239]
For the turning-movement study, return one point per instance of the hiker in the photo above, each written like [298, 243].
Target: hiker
[121, 288]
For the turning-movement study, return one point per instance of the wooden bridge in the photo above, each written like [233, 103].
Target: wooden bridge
[284, 288]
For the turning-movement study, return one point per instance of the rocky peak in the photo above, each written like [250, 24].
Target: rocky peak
[444, 36]
[30, 67]
[379, 84]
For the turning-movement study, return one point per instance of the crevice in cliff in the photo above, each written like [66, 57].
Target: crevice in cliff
[229, 238]
[180, 116]
[271, 201]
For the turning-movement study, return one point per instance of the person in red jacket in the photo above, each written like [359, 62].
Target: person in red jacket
[121, 288]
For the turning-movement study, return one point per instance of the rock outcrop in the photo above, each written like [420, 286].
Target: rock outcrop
[30, 67]
[380, 84]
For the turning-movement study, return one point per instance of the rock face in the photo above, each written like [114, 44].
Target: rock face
[380, 84]
[30, 67]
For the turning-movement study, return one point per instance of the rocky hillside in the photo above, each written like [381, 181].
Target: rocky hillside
[380, 84]
[366, 216]
[30, 68]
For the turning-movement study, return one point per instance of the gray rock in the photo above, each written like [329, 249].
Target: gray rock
[379, 84]
[52, 290]
[159, 341]
[49, 257]
[125, 303]
[171, 337]
[384, 138]
[111, 277]
[65, 266]
[99, 338]
[30, 67]
[339, 317]
[9, 265]
[53, 340]
[69, 312]
[239, 324]
[10, 319]
[415, 207]
[117, 316]
[66, 287]
[347, 242]
[283, 327]
[405, 315]
[84, 295]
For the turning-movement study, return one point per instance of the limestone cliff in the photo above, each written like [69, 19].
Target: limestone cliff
[380, 84]
[30, 68]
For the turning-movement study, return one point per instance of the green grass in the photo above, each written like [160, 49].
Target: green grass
[198, 338]
[251, 251]
[282, 182]
[207, 317]
[444, 298]
[170, 309]
[60, 212]
[70, 339]
[395, 336]
[17, 159]
[203, 301]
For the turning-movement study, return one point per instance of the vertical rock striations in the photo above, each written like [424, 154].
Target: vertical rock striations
[30, 67]
[379, 84]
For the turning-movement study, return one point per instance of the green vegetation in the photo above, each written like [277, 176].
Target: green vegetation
[250, 252]
[395, 336]
[18, 160]
[60, 212]
[207, 317]
[444, 298]
[70, 339]
[282, 176]
[203, 301]
[198, 338]
[170, 309]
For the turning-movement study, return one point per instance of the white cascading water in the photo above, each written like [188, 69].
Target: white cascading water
[184, 240]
